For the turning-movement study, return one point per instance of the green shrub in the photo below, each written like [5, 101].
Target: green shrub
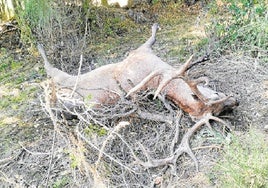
[244, 25]
[95, 129]
[13, 73]
[34, 14]
[60, 183]
[245, 162]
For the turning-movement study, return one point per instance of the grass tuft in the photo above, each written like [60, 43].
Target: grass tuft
[244, 162]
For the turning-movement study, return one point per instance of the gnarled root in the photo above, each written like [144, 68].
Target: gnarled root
[184, 146]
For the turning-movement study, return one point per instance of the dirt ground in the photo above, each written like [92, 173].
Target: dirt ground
[35, 153]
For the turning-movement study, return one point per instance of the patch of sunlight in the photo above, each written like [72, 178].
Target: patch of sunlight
[5, 91]
[121, 3]
[265, 83]
[197, 31]
[9, 120]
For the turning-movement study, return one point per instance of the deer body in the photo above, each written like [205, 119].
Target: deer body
[142, 70]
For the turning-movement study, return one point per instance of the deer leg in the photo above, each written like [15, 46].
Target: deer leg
[167, 77]
[171, 75]
[143, 82]
[217, 102]
[193, 85]
[151, 40]
[185, 66]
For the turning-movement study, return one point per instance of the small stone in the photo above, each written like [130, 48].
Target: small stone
[266, 128]
[158, 180]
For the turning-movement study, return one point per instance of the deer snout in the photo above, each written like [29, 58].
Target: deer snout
[231, 103]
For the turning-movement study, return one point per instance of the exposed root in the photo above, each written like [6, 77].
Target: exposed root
[184, 146]
[121, 125]
[139, 134]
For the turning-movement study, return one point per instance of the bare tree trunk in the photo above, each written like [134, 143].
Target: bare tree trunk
[7, 10]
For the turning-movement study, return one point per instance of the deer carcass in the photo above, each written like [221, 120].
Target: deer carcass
[144, 70]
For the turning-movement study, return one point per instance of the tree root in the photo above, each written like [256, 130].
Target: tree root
[128, 148]
[184, 146]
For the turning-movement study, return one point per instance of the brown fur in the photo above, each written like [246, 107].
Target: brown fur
[110, 82]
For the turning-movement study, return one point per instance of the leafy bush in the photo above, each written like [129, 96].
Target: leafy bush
[243, 26]
[245, 162]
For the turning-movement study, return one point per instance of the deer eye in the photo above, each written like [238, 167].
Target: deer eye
[195, 97]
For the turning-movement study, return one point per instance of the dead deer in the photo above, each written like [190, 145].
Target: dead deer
[143, 69]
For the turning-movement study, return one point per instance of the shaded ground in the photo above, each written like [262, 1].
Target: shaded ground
[36, 153]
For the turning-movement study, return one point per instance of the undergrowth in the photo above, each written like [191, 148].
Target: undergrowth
[16, 90]
[244, 162]
[241, 25]
[34, 14]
